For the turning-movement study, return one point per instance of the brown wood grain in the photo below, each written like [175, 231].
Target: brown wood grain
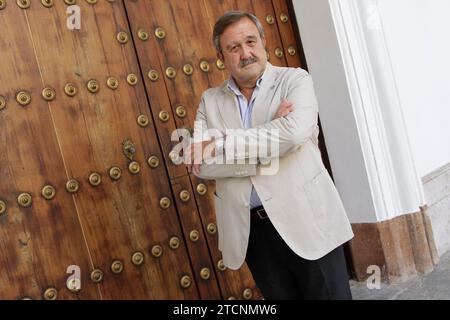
[182, 90]
[141, 18]
[287, 33]
[121, 217]
[38, 243]
[189, 41]
[71, 137]
[198, 250]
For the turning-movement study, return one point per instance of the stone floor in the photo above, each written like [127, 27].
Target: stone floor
[433, 286]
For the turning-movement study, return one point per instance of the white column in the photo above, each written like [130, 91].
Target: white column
[346, 50]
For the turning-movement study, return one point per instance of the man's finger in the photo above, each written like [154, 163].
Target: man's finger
[286, 103]
[196, 169]
[286, 106]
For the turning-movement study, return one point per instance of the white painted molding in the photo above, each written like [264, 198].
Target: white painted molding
[344, 149]
[395, 185]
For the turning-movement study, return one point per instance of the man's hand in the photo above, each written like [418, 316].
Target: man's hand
[284, 109]
[195, 154]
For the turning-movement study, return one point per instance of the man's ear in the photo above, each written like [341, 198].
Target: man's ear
[219, 55]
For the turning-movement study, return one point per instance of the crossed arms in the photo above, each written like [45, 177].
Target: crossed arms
[295, 122]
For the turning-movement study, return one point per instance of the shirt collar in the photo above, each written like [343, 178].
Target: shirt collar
[232, 85]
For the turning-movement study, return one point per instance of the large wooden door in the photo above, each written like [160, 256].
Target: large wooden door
[87, 177]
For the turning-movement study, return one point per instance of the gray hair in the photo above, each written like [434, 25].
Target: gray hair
[228, 19]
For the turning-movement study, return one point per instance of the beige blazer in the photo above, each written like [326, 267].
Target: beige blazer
[300, 199]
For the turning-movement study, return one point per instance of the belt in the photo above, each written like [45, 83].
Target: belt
[258, 213]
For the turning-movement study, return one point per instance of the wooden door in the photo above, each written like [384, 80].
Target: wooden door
[87, 177]
[180, 62]
[122, 228]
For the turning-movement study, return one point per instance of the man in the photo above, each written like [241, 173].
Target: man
[289, 225]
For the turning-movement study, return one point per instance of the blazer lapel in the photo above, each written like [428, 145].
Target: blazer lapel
[228, 104]
[260, 112]
[229, 109]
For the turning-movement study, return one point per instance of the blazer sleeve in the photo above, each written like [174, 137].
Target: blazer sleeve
[212, 170]
[292, 130]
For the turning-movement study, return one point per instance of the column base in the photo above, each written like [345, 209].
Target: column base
[402, 247]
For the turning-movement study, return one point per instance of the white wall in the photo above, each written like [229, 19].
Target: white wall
[418, 38]
[378, 107]
[402, 65]
[335, 107]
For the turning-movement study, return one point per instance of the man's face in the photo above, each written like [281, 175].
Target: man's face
[243, 51]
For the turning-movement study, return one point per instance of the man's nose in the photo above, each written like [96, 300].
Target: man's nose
[246, 52]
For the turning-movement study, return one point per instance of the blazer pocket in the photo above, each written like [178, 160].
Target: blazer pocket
[316, 191]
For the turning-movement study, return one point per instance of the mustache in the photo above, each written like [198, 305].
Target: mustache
[248, 61]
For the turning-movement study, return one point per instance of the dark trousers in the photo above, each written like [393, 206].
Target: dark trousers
[281, 274]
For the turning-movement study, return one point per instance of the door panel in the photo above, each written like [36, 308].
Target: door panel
[291, 48]
[150, 232]
[186, 47]
[38, 242]
[118, 217]
[188, 31]
[141, 17]
[195, 238]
